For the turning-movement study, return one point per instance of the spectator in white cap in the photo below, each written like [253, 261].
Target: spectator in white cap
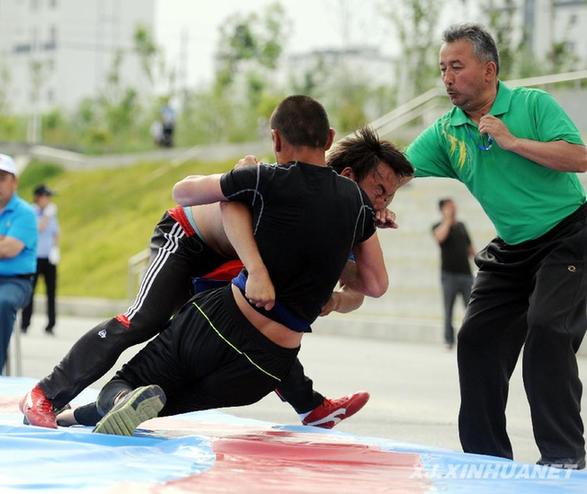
[18, 252]
[47, 255]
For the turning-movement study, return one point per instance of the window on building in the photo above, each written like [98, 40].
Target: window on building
[21, 48]
[50, 95]
[53, 4]
[52, 41]
[34, 4]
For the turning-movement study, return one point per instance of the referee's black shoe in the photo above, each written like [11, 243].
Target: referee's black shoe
[566, 463]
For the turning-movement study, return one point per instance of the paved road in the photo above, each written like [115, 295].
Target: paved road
[413, 386]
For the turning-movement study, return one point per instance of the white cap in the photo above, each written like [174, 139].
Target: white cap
[7, 164]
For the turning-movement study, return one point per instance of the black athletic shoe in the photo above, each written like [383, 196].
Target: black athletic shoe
[566, 463]
[135, 407]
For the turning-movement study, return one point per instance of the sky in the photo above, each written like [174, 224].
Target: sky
[312, 24]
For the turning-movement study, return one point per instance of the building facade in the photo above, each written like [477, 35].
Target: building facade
[545, 23]
[54, 53]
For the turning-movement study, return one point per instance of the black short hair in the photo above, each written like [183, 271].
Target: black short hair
[483, 43]
[443, 201]
[302, 121]
[363, 151]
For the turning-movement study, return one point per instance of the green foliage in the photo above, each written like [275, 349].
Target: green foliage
[106, 216]
[501, 25]
[113, 121]
[251, 38]
[4, 85]
[12, 127]
[416, 22]
[349, 98]
[561, 58]
[236, 107]
[515, 53]
[146, 50]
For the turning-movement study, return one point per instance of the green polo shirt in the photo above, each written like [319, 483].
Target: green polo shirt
[523, 199]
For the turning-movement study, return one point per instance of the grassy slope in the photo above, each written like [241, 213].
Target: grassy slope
[106, 216]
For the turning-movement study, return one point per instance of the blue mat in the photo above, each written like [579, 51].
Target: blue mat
[216, 452]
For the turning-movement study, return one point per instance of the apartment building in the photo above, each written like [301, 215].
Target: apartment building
[54, 53]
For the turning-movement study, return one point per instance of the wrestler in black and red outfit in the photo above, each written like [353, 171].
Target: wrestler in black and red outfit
[223, 348]
[190, 242]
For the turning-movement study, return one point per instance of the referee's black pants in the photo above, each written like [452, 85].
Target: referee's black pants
[531, 294]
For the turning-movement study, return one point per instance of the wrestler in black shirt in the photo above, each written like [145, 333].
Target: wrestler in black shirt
[306, 220]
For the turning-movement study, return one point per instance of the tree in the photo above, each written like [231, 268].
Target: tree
[250, 42]
[248, 53]
[146, 49]
[517, 57]
[415, 22]
[4, 88]
[501, 25]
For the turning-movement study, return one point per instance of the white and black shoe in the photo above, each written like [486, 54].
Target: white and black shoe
[132, 409]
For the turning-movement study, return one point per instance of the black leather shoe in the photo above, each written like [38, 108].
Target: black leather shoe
[566, 463]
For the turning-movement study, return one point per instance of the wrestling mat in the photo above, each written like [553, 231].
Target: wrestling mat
[213, 452]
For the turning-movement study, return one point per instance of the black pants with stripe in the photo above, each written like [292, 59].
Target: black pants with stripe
[533, 295]
[175, 259]
[209, 356]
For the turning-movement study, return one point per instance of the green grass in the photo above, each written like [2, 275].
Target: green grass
[106, 216]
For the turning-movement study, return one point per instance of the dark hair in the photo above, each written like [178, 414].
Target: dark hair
[363, 151]
[483, 43]
[42, 190]
[443, 201]
[302, 121]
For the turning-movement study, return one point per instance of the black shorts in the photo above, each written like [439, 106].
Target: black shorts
[210, 356]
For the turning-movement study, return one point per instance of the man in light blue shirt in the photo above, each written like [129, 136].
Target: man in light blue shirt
[47, 255]
[18, 245]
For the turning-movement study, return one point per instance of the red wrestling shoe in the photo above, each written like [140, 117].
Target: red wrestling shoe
[38, 409]
[331, 412]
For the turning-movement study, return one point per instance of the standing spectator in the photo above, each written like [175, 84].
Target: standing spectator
[18, 244]
[517, 151]
[156, 132]
[168, 125]
[455, 270]
[47, 255]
